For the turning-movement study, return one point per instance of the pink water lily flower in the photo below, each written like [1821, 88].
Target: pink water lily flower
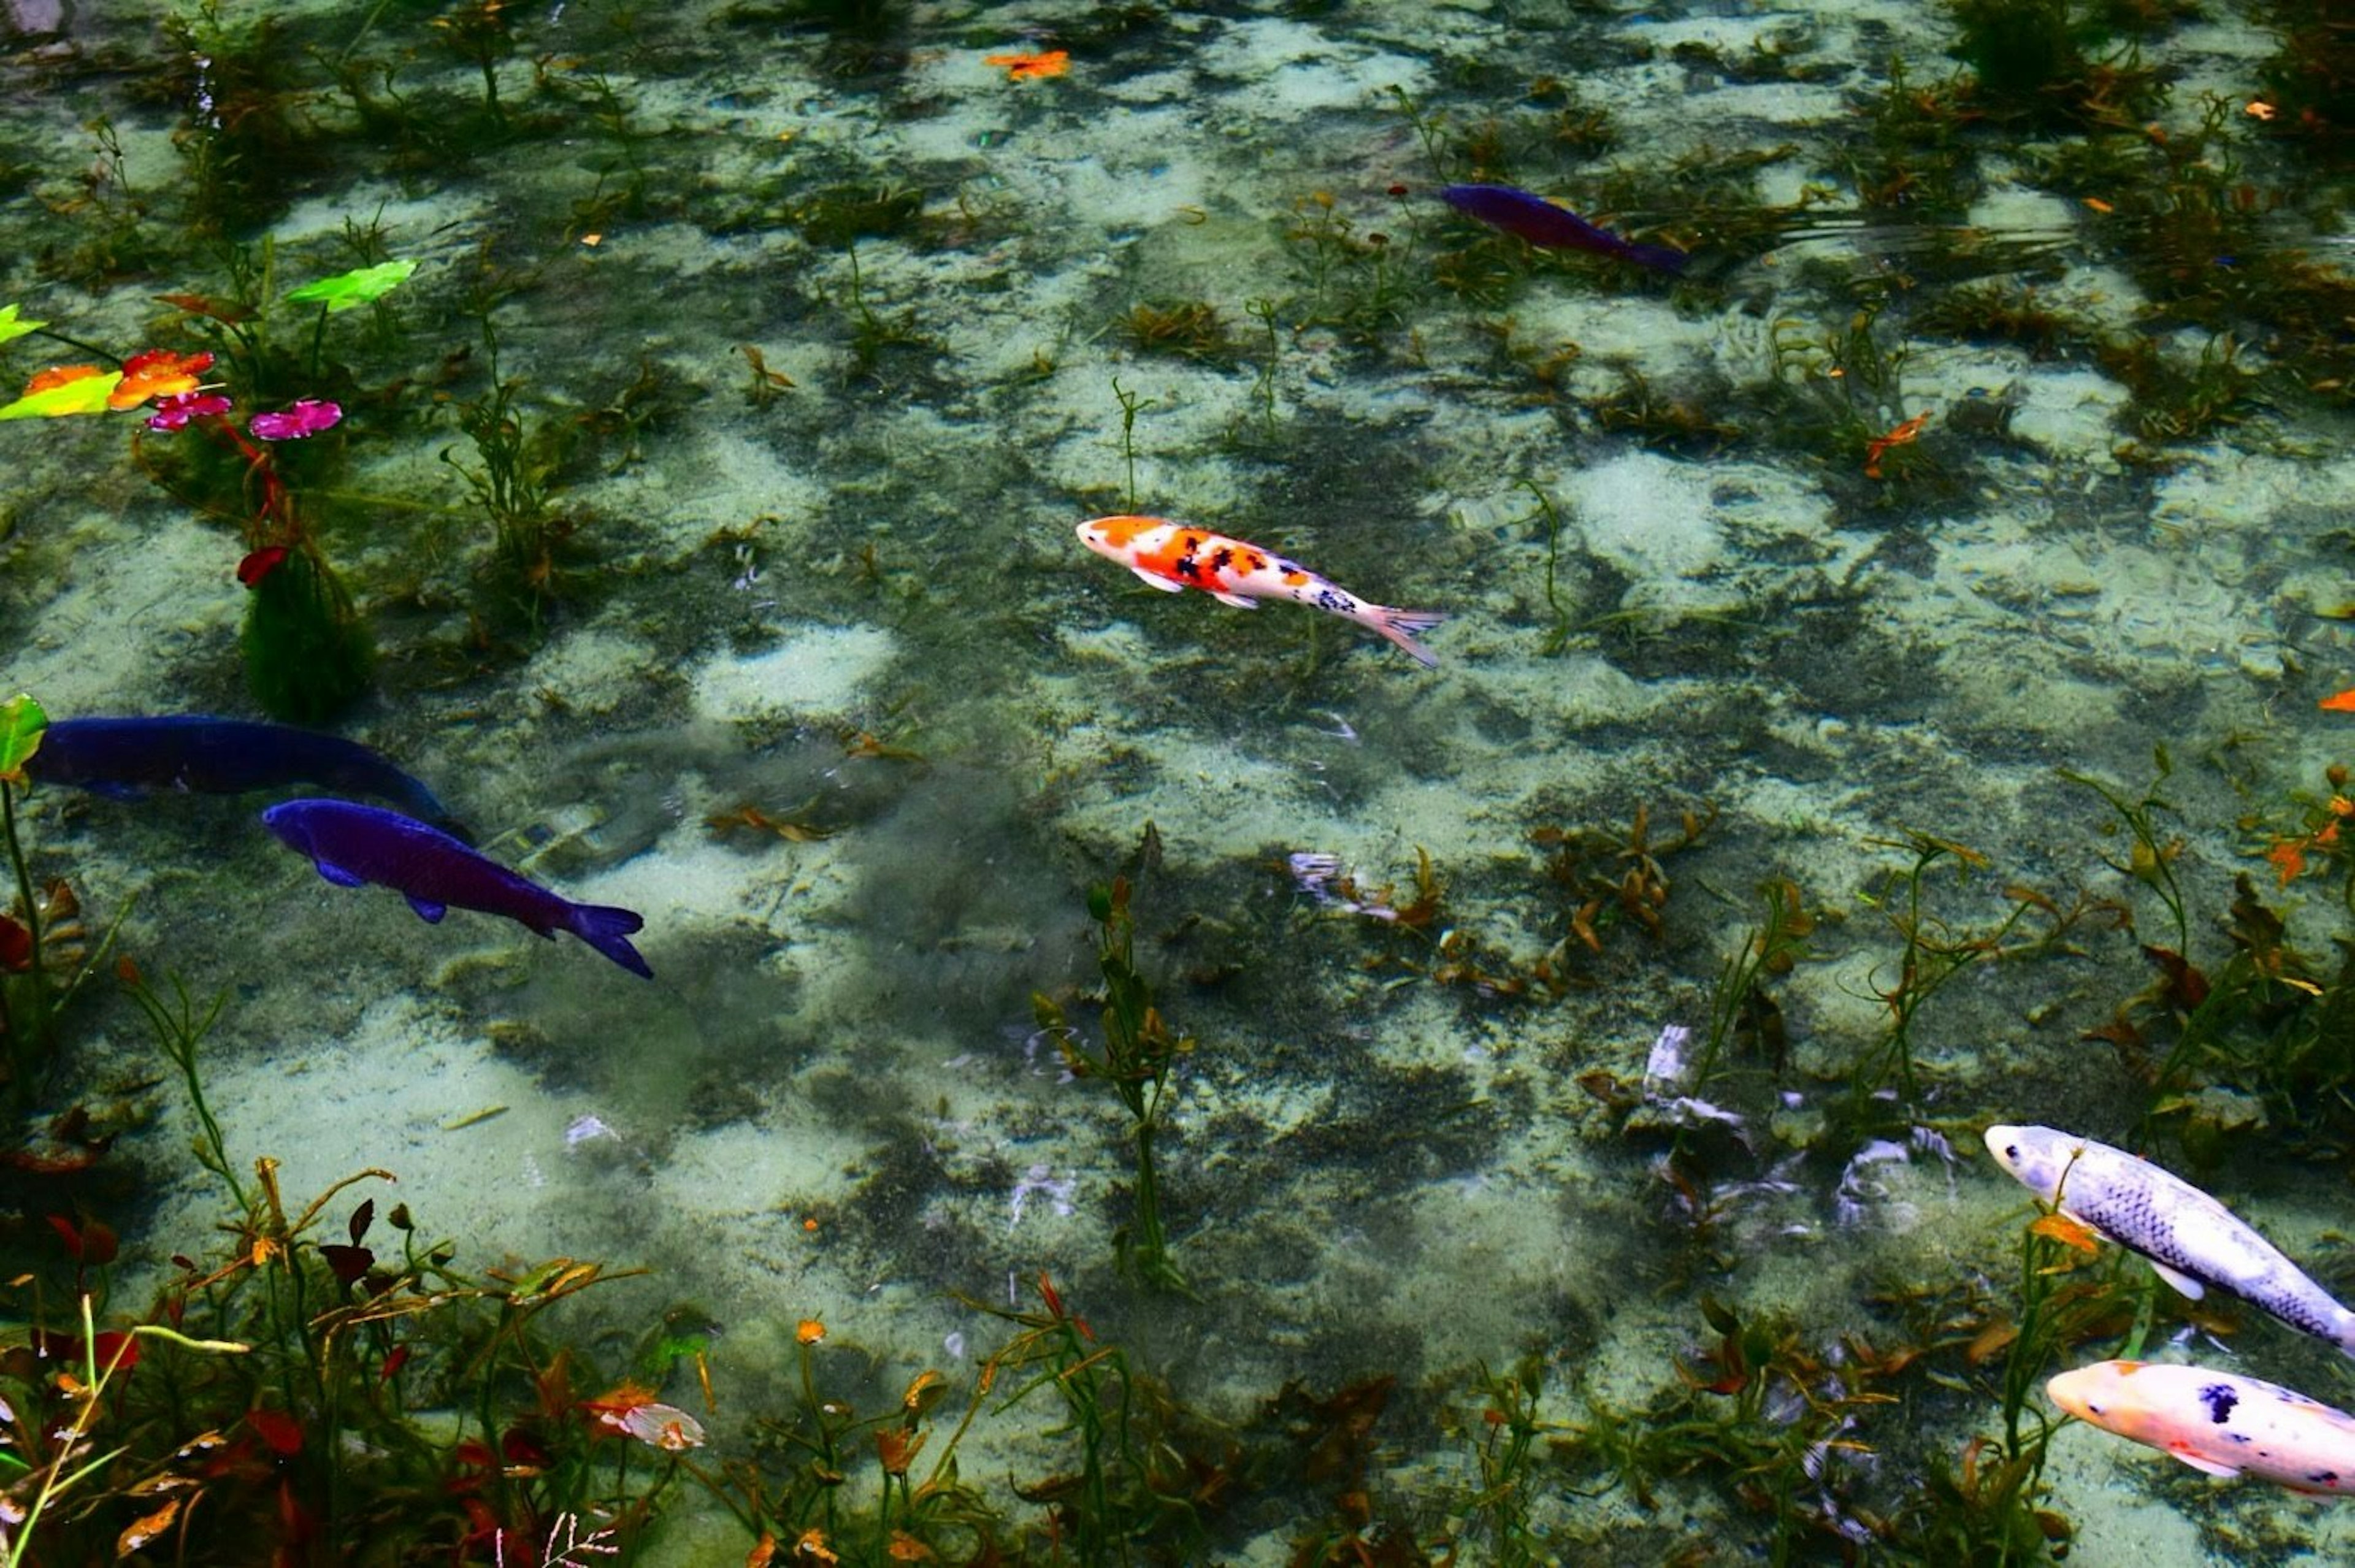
[174, 412]
[309, 416]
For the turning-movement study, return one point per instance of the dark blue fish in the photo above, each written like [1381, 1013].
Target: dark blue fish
[1551, 227]
[124, 757]
[355, 845]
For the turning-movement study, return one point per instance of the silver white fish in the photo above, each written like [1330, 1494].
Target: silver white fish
[2190, 1239]
[2219, 1422]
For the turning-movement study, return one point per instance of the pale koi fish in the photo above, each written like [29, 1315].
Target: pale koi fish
[2216, 1422]
[1174, 556]
[2190, 1239]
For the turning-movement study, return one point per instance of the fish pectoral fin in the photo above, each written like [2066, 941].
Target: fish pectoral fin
[2205, 1466]
[338, 876]
[1158, 581]
[2183, 1282]
[427, 910]
[1237, 600]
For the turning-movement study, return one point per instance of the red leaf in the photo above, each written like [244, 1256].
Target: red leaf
[280, 1430]
[197, 304]
[361, 1216]
[393, 1363]
[349, 1262]
[72, 1237]
[260, 564]
[99, 1242]
[15, 944]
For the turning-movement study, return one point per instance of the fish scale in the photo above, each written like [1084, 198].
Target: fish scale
[2190, 1238]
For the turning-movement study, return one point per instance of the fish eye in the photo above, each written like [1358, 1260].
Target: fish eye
[2011, 1151]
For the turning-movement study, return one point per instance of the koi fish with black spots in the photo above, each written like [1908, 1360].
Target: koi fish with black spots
[2217, 1423]
[1174, 556]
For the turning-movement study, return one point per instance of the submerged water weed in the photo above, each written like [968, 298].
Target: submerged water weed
[809, 1513]
[513, 483]
[2178, 401]
[247, 140]
[1558, 635]
[43, 958]
[479, 33]
[1139, 1050]
[1130, 405]
[263, 1403]
[1357, 283]
[1777, 1424]
[1933, 955]
[1742, 1015]
[1505, 1447]
[1189, 329]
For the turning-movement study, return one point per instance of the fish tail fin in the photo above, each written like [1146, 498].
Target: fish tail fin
[1401, 625]
[607, 929]
[1659, 257]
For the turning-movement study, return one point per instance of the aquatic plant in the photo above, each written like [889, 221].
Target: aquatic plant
[1130, 405]
[478, 32]
[1933, 953]
[513, 482]
[1741, 1014]
[263, 1404]
[45, 958]
[246, 140]
[1139, 1050]
[1357, 283]
[1505, 1448]
[1189, 329]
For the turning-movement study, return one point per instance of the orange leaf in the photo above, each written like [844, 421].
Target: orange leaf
[1021, 68]
[58, 376]
[2069, 1232]
[2289, 856]
[157, 373]
[2338, 701]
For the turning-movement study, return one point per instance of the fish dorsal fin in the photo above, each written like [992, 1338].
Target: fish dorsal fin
[2205, 1466]
[427, 910]
[1237, 600]
[338, 876]
[2183, 1282]
[1158, 581]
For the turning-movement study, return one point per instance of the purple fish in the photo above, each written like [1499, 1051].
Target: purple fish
[1551, 227]
[355, 845]
[122, 757]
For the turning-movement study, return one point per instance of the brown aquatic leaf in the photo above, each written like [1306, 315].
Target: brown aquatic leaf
[1989, 1341]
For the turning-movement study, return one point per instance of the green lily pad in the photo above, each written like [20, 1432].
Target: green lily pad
[22, 720]
[87, 396]
[358, 286]
[11, 327]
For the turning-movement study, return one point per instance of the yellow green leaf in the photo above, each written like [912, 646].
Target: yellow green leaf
[86, 395]
[358, 286]
[11, 327]
[22, 720]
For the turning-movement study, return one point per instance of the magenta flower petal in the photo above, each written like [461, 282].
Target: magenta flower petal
[309, 416]
[173, 412]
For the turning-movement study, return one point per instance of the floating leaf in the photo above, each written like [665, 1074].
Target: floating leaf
[22, 720]
[11, 327]
[358, 286]
[158, 373]
[83, 394]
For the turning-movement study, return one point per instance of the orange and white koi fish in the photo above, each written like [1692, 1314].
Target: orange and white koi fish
[1174, 556]
[2216, 1422]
